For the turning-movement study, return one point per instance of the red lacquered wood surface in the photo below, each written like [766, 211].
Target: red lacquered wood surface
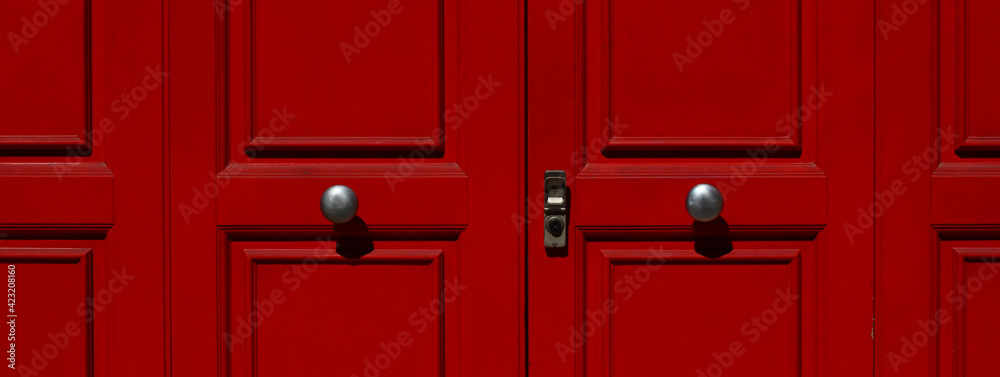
[82, 187]
[938, 170]
[421, 115]
[774, 107]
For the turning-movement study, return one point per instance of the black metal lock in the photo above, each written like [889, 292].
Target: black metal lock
[556, 204]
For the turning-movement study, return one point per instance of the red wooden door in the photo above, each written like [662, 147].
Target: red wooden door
[413, 105]
[938, 172]
[639, 101]
[169, 224]
[81, 188]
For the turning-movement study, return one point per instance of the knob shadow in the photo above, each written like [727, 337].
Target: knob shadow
[353, 238]
[712, 239]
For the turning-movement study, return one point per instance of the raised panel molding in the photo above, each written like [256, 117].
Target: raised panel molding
[244, 251]
[966, 131]
[245, 293]
[47, 255]
[345, 144]
[965, 298]
[293, 155]
[51, 70]
[55, 143]
[57, 114]
[966, 64]
[662, 188]
[796, 258]
[45, 301]
[420, 190]
[75, 193]
[371, 122]
[615, 97]
[707, 144]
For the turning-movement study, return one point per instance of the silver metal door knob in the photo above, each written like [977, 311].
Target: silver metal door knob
[704, 202]
[339, 204]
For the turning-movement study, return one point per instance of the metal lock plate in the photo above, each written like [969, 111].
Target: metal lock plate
[556, 204]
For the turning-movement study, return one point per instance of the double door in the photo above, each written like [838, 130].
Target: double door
[514, 187]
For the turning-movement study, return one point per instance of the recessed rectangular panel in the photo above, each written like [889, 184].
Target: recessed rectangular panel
[349, 318]
[345, 76]
[969, 303]
[982, 328]
[967, 135]
[704, 75]
[739, 308]
[46, 291]
[320, 311]
[975, 73]
[712, 309]
[44, 87]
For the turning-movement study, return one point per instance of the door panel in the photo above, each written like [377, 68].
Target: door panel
[383, 88]
[685, 92]
[648, 189]
[374, 75]
[423, 125]
[967, 302]
[318, 293]
[966, 32]
[968, 140]
[82, 187]
[47, 291]
[46, 66]
[938, 174]
[768, 108]
[706, 118]
[770, 308]
[59, 157]
[417, 196]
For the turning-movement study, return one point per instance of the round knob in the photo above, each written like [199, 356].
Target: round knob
[704, 202]
[339, 204]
